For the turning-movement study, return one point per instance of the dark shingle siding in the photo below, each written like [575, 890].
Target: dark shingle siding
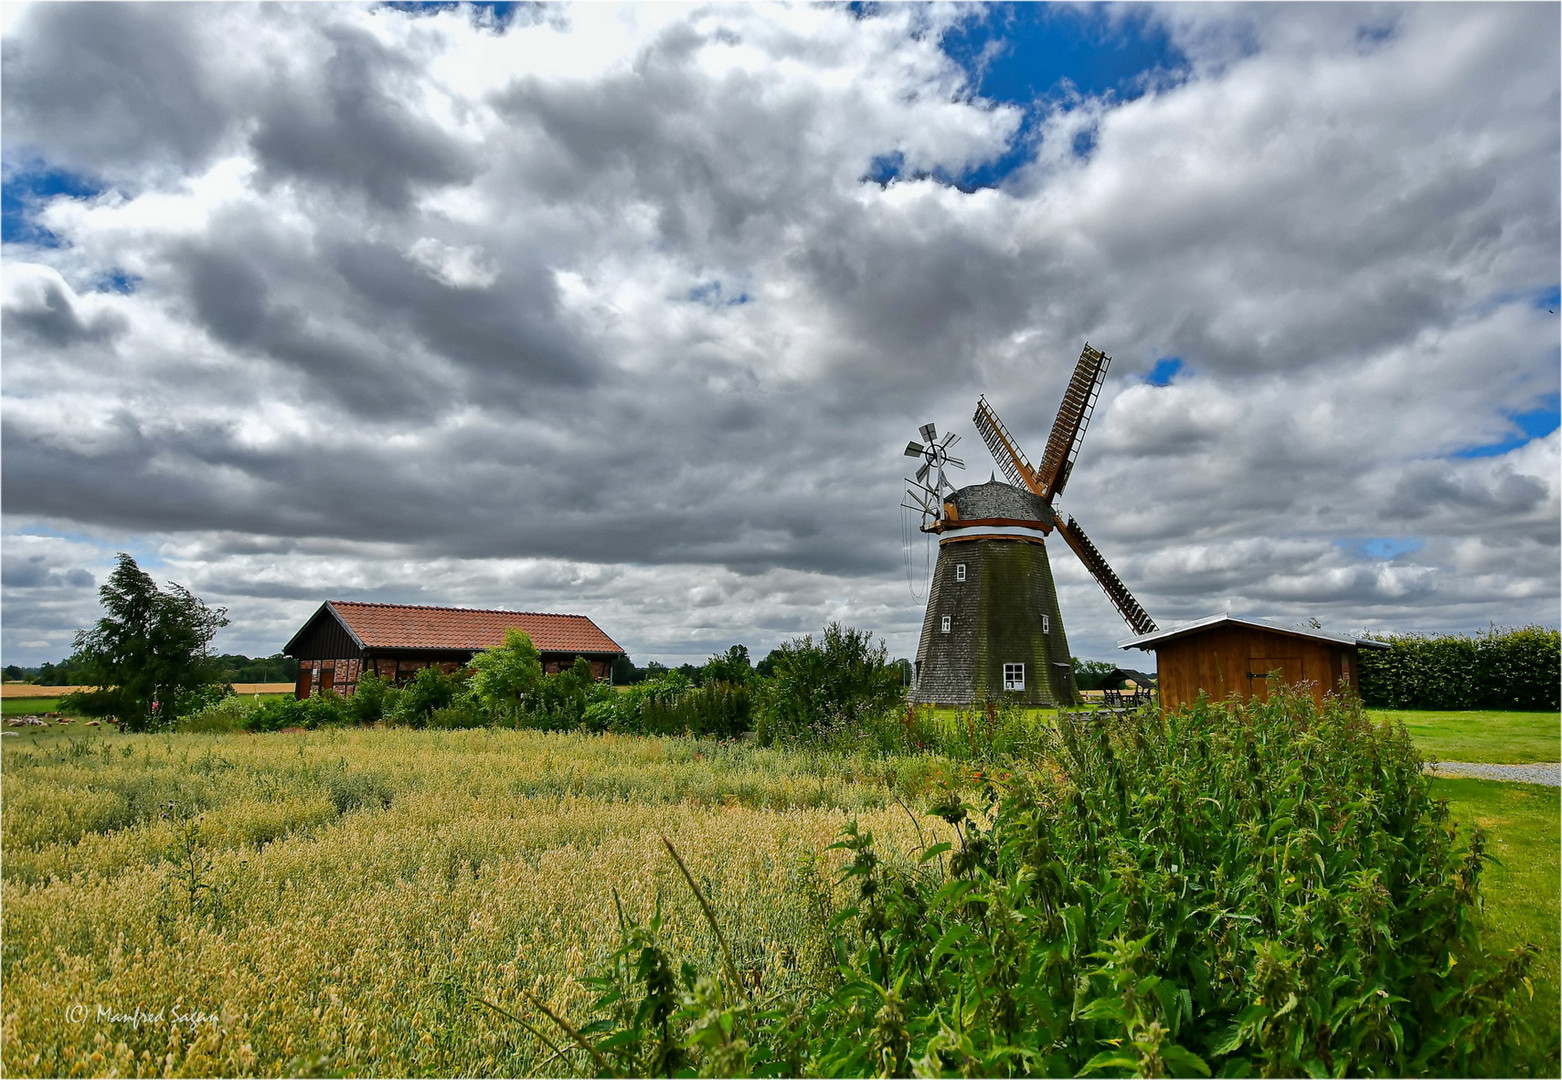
[995, 620]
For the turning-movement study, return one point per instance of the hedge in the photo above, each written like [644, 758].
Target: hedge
[1502, 668]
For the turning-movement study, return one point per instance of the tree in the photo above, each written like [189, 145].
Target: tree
[836, 684]
[13, 673]
[501, 675]
[731, 666]
[150, 648]
[1091, 674]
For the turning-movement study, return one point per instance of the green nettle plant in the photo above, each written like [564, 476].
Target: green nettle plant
[1267, 889]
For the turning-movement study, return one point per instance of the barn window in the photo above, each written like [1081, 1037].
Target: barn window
[945, 625]
[959, 571]
[1014, 676]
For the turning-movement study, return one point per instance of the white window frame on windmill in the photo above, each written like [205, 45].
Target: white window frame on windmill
[943, 626]
[1014, 678]
[1046, 624]
[960, 571]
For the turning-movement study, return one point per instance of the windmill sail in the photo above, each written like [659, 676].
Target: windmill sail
[1005, 451]
[1133, 614]
[1079, 402]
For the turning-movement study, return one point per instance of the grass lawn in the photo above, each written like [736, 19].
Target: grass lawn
[1521, 886]
[1514, 738]
[37, 706]
[29, 706]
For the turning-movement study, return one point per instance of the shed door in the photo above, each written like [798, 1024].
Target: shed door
[1287, 669]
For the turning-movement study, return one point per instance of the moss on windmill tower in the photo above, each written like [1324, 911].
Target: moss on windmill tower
[992, 626]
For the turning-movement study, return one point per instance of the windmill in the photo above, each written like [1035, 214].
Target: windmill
[992, 620]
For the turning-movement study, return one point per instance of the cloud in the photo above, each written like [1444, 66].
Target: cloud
[596, 311]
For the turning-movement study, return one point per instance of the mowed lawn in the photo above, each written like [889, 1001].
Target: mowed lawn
[1516, 738]
[1523, 823]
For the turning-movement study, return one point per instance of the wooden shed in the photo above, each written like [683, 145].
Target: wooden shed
[1224, 656]
[344, 639]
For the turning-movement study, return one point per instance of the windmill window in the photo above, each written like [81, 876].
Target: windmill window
[1014, 676]
[1046, 625]
[959, 571]
[944, 626]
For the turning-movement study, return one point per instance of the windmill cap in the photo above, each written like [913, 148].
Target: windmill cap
[995, 499]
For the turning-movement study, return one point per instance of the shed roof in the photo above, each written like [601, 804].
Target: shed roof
[1147, 641]
[416, 626]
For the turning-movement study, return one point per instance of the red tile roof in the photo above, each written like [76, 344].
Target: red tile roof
[413, 626]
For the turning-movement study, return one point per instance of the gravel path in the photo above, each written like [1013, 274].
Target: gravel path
[1550, 773]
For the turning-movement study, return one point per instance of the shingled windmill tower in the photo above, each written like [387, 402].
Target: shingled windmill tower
[992, 626]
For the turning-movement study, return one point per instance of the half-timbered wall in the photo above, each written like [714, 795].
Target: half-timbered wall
[341, 674]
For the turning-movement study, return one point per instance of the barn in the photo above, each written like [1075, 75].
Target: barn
[1225, 656]
[344, 639]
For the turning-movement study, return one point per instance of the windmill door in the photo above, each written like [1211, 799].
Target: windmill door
[1267, 672]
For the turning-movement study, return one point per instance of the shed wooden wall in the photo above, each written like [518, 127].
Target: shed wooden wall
[1237, 660]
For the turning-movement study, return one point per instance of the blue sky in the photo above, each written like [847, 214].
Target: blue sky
[1043, 56]
[25, 188]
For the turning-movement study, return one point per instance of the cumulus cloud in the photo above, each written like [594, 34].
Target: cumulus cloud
[615, 310]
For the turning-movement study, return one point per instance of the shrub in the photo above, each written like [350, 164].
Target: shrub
[1267, 889]
[371, 699]
[319, 710]
[462, 713]
[202, 697]
[719, 709]
[227, 714]
[560, 701]
[822, 692]
[426, 691]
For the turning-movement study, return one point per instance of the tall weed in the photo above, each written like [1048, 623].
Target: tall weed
[1262, 889]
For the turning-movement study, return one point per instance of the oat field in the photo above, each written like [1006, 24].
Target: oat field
[333, 902]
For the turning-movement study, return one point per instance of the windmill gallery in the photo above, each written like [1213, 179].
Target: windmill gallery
[992, 625]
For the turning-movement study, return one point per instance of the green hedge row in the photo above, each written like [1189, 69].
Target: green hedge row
[1502, 668]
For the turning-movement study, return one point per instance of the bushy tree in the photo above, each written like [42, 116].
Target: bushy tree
[150, 648]
[731, 666]
[501, 675]
[840, 684]
[1091, 674]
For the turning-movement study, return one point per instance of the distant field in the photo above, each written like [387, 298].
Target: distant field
[24, 690]
[38, 704]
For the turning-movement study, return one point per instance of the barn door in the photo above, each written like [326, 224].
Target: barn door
[1266, 672]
